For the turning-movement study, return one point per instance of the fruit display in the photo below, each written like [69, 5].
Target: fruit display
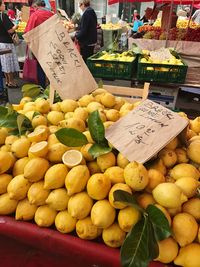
[69, 25]
[61, 171]
[183, 24]
[21, 27]
[111, 26]
[126, 56]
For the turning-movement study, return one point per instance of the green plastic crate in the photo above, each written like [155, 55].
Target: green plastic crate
[111, 69]
[168, 74]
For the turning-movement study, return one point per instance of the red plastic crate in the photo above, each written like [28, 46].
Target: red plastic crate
[25, 244]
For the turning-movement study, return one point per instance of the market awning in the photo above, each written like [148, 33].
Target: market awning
[177, 2]
[111, 2]
[16, 1]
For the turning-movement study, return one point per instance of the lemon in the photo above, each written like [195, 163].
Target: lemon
[190, 134]
[102, 115]
[155, 178]
[122, 162]
[181, 155]
[98, 186]
[85, 100]
[64, 222]
[168, 157]
[58, 199]
[4, 181]
[115, 174]
[76, 179]
[119, 186]
[19, 166]
[54, 117]
[39, 149]
[85, 152]
[195, 125]
[172, 144]
[169, 195]
[55, 176]
[25, 211]
[85, 229]
[165, 212]
[29, 106]
[68, 105]
[173, 211]
[106, 161]
[168, 250]
[92, 106]
[188, 185]
[93, 167]
[38, 135]
[89, 137]
[29, 114]
[126, 107]
[72, 158]
[192, 206]
[56, 152]
[128, 217]
[145, 199]
[43, 106]
[108, 124]
[185, 228]
[45, 216]
[7, 205]
[25, 99]
[18, 187]
[136, 176]
[17, 107]
[108, 100]
[103, 214]
[159, 166]
[112, 115]
[37, 194]
[79, 205]
[184, 170]
[6, 148]
[39, 120]
[119, 102]
[35, 169]
[113, 236]
[189, 256]
[193, 151]
[81, 113]
[10, 139]
[20, 147]
[3, 135]
[55, 107]
[52, 139]
[99, 91]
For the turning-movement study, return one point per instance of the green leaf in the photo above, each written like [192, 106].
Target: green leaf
[71, 137]
[153, 245]
[9, 121]
[159, 222]
[20, 120]
[96, 127]
[123, 196]
[135, 249]
[31, 90]
[36, 113]
[3, 111]
[97, 150]
[100, 84]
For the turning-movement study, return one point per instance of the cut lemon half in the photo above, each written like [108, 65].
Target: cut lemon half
[39, 149]
[38, 135]
[72, 158]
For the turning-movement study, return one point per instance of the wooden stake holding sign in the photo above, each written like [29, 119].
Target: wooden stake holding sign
[60, 60]
[145, 130]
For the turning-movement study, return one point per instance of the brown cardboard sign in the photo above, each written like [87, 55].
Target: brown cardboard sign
[145, 130]
[60, 59]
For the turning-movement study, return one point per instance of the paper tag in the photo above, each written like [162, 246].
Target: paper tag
[60, 60]
[145, 130]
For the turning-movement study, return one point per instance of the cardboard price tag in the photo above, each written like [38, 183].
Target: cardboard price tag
[60, 60]
[145, 130]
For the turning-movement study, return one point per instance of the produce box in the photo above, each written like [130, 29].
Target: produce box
[112, 69]
[165, 73]
[28, 245]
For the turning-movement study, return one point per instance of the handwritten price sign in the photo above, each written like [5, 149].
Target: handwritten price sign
[145, 131]
[60, 60]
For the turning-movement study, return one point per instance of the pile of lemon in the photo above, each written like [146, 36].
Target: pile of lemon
[52, 184]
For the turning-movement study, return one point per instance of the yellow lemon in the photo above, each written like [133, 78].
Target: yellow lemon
[172, 144]
[58, 199]
[19, 166]
[72, 158]
[189, 256]
[145, 199]
[38, 135]
[55, 176]
[92, 106]
[181, 155]
[112, 115]
[195, 125]
[68, 105]
[168, 250]
[64, 222]
[192, 206]
[85, 229]
[25, 211]
[193, 151]
[106, 161]
[37, 194]
[115, 174]
[155, 178]
[39, 120]
[39, 149]
[18, 187]
[113, 236]
[54, 117]
[43, 106]
[184, 170]
[108, 100]
[98, 186]
[188, 185]
[85, 100]
[35, 169]
[119, 186]
[122, 162]
[81, 113]
[4, 181]
[10, 139]
[7, 205]
[3, 135]
[79, 205]
[20, 147]
[56, 152]
[159, 165]
[45, 216]
[93, 167]
[128, 217]
[168, 157]
[85, 152]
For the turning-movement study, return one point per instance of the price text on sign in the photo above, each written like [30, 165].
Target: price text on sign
[60, 60]
[145, 130]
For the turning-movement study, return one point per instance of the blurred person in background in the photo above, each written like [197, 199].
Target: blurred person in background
[87, 34]
[38, 16]
[9, 62]
[11, 12]
[196, 16]
[136, 24]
